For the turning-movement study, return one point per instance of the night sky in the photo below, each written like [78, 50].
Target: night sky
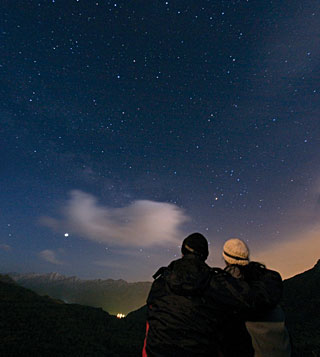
[127, 125]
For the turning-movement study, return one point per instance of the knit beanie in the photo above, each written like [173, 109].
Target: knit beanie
[196, 244]
[235, 251]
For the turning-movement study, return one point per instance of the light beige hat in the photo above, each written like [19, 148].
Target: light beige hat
[235, 251]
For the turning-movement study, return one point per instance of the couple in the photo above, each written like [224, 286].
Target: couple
[198, 311]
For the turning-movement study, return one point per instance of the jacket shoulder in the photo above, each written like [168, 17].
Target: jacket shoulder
[158, 287]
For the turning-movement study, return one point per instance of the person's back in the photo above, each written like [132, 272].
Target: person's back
[177, 315]
[269, 334]
[177, 321]
[189, 303]
[265, 326]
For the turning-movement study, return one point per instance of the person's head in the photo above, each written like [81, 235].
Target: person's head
[195, 244]
[235, 251]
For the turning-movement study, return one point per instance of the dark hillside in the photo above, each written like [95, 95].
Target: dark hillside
[31, 325]
[114, 296]
[301, 303]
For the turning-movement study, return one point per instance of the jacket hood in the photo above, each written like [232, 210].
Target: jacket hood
[188, 275]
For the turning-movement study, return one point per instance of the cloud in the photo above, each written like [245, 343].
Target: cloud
[142, 223]
[292, 256]
[50, 256]
[5, 247]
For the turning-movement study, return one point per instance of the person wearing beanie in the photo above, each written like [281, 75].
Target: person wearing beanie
[189, 302]
[264, 328]
[235, 251]
[195, 244]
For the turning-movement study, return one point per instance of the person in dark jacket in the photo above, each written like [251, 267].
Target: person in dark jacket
[264, 329]
[189, 303]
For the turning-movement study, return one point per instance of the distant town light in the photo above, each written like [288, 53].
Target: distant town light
[120, 316]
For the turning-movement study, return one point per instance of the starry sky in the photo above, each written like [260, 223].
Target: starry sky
[127, 125]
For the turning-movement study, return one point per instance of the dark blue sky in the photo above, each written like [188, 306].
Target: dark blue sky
[130, 124]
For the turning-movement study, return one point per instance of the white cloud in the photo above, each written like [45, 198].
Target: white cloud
[5, 247]
[50, 256]
[141, 223]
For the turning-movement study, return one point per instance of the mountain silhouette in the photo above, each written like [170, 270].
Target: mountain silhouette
[33, 325]
[113, 296]
[301, 302]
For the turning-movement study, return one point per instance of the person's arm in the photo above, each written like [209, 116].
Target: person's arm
[267, 290]
[158, 288]
[144, 349]
[241, 296]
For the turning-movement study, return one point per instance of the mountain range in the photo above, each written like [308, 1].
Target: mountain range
[40, 325]
[33, 325]
[301, 302]
[113, 296]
